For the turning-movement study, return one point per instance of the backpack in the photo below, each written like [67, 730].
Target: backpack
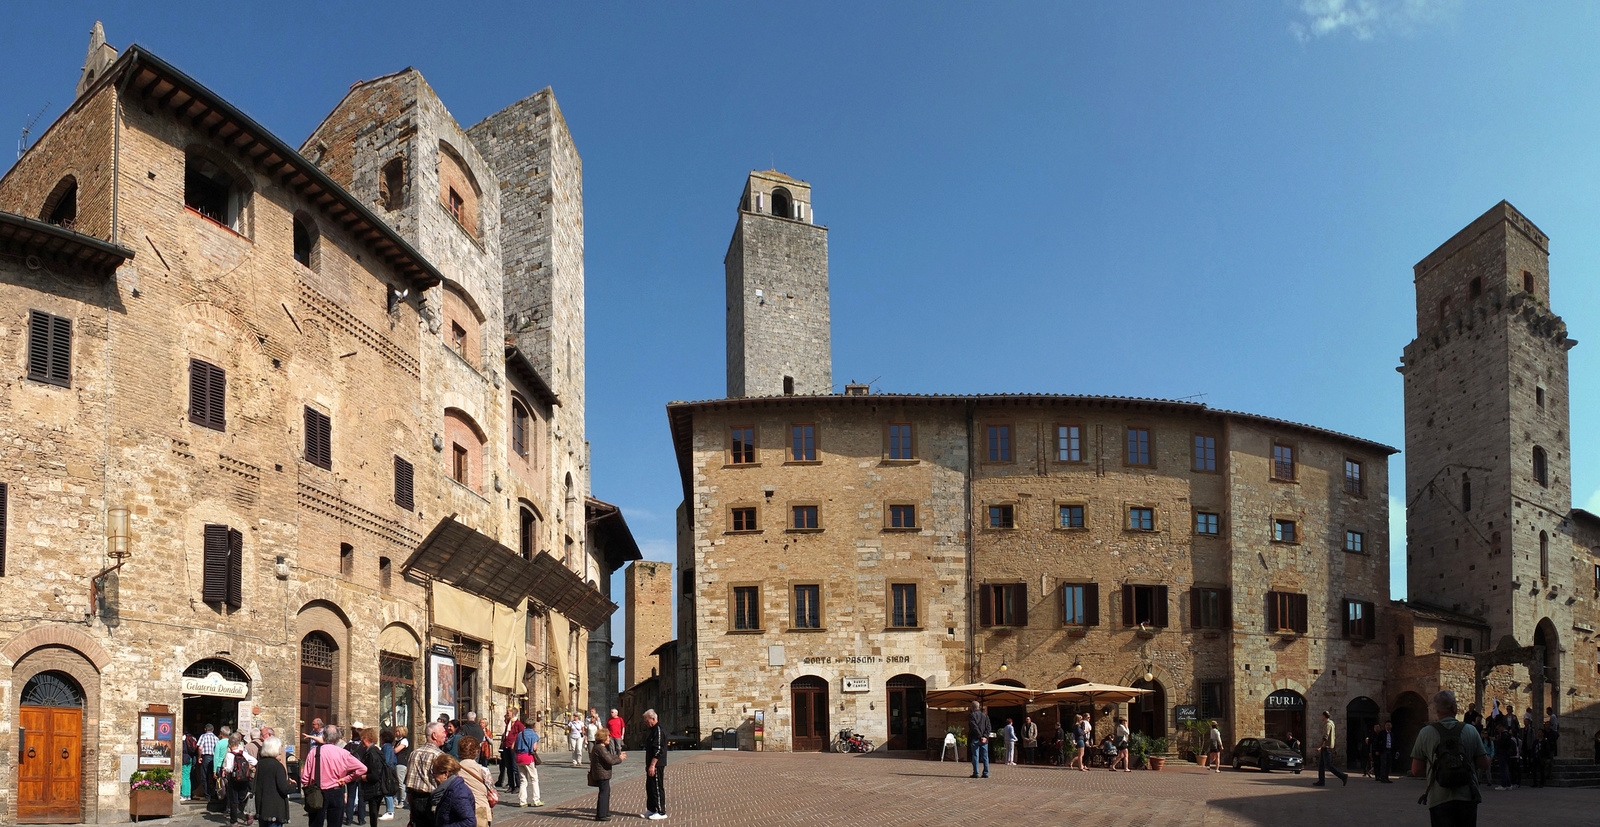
[1450, 767]
[243, 770]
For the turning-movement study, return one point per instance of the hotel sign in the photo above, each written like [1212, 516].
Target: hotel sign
[214, 685]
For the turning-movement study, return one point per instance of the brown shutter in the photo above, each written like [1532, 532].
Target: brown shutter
[1194, 608]
[214, 585]
[1127, 606]
[1345, 607]
[5, 491]
[1299, 601]
[1272, 612]
[1372, 620]
[1022, 604]
[985, 606]
[1091, 604]
[235, 568]
[1161, 606]
[1225, 603]
[217, 397]
[199, 380]
[60, 349]
[38, 345]
[403, 491]
[319, 451]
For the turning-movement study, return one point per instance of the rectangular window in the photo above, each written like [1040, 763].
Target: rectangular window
[1205, 453]
[1283, 531]
[903, 612]
[1144, 606]
[1213, 697]
[802, 443]
[460, 465]
[454, 203]
[744, 519]
[5, 499]
[347, 559]
[1003, 604]
[999, 443]
[1358, 620]
[519, 429]
[900, 441]
[1283, 462]
[1070, 516]
[385, 573]
[746, 608]
[1138, 446]
[744, 444]
[902, 516]
[222, 578]
[319, 439]
[49, 348]
[1069, 443]
[1080, 604]
[1207, 523]
[208, 395]
[1141, 519]
[808, 607]
[1208, 608]
[1286, 612]
[1355, 541]
[1458, 645]
[1002, 516]
[1354, 483]
[805, 516]
[404, 491]
[458, 338]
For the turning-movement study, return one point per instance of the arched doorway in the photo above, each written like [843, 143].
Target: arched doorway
[1545, 635]
[1285, 716]
[1410, 714]
[319, 663]
[908, 714]
[810, 695]
[1360, 715]
[50, 743]
[1148, 713]
[212, 689]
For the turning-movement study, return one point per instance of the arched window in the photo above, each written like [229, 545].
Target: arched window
[782, 203]
[392, 184]
[1544, 557]
[54, 689]
[61, 208]
[1541, 470]
[519, 428]
[305, 241]
[458, 189]
[211, 191]
[465, 452]
[1466, 493]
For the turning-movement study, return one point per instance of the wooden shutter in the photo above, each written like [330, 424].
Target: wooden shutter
[1298, 602]
[985, 605]
[319, 428]
[5, 492]
[38, 345]
[60, 350]
[1272, 612]
[1372, 620]
[1022, 604]
[214, 588]
[1127, 606]
[208, 393]
[403, 491]
[1225, 603]
[1091, 604]
[1159, 596]
[1196, 597]
[235, 568]
[49, 348]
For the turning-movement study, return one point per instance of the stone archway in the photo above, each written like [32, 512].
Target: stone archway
[59, 666]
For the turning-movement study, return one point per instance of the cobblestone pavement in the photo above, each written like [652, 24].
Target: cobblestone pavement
[729, 788]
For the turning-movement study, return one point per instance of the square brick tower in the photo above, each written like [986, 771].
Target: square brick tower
[1488, 467]
[777, 270]
[649, 617]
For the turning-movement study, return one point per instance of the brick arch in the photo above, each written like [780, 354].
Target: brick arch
[57, 635]
[51, 656]
[1290, 683]
[1162, 676]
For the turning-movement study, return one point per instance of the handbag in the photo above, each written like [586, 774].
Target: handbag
[313, 797]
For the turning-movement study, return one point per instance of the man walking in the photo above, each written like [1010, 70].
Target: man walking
[208, 751]
[1447, 752]
[655, 767]
[617, 727]
[978, 729]
[1326, 755]
[1384, 753]
[333, 767]
[419, 776]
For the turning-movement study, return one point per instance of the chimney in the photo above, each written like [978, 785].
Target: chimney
[855, 389]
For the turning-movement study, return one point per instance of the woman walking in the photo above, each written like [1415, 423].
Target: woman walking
[600, 763]
[575, 739]
[272, 785]
[1123, 736]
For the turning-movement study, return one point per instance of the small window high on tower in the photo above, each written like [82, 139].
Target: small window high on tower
[782, 203]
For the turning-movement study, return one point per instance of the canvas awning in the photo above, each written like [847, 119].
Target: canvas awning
[475, 563]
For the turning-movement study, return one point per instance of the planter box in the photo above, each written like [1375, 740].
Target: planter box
[149, 803]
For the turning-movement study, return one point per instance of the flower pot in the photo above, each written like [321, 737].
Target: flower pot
[150, 803]
[1157, 762]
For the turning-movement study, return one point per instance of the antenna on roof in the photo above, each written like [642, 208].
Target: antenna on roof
[22, 144]
[1191, 396]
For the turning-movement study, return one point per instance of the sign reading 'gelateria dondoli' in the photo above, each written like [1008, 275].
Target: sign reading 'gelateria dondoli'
[214, 684]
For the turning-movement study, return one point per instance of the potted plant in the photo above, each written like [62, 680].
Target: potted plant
[1157, 756]
[150, 792]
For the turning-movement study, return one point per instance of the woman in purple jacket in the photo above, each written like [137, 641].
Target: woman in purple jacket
[453, 805]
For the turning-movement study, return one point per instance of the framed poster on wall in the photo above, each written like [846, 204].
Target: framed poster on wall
[156, 737]
[441, 686]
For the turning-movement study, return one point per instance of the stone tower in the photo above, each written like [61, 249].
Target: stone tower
[1488, 487]
[777, 269]
[649, 617]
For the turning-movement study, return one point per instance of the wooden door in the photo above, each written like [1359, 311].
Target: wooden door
[810, 715]
[316, 695]
[49, 777]
[907, 727]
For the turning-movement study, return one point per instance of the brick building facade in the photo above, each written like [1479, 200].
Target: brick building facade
[291, 371]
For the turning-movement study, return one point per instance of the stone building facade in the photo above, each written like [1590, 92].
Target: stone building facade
[843, 554]
[281, 381]
[648, 608]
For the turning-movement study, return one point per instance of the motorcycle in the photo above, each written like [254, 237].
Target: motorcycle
[849, 741]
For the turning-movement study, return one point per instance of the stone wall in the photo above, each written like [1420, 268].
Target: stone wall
[648, 604]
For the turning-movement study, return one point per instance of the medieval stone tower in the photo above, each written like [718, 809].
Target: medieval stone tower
[777, 269]
[1488, 488]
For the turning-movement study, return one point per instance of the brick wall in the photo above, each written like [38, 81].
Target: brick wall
[648, 603]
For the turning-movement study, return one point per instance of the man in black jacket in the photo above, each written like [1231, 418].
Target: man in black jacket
[978, 729]
[655, 767]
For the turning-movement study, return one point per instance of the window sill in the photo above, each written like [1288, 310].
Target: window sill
[887, 461]
[997, 462]
[746, 531]
[456, 221]
[802, 531]
[1075, 629]
[903, 628]
[905, 529]
[1000, 630]
[1000, 528]
[1284, 542]
[1357, 552]
[1148, 632]
[746, 631]
[1071, 528]
[1211, 634]
[1210, 472]
[803, 462]
[1287, 635]
[1141, 531]
[741, 465]
[215, 223]
[1069, 462]
[52, 382]
[1208, 536]
[804, 630]
[467, 488]
[1140, 466]
[1282, 480]
[463, 359]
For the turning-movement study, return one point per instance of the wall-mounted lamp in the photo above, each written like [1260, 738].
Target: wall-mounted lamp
[280, 567]
[117, 533]
[1148, 674]
[1077, 664]
[438, 442]
[1002, 663]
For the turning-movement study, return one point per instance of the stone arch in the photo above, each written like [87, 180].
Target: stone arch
[61, 206]
[57, 635]
[782, 203]
[1289, 683]
[1157, 672]
[50, 656]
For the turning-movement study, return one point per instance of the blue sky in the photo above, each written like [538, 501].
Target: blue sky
[1150, 199]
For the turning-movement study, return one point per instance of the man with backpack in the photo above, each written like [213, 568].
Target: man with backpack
[1449, 754]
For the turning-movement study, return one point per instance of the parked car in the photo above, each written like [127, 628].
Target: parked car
[1267, 754]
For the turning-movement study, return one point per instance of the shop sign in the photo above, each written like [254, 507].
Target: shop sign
[820, 660]
[214, 685]
[1185, 712]
[1286, 699]
[857, 684]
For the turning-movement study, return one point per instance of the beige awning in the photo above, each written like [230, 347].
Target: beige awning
[510, 644]
[557, 647]
[461, 612]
